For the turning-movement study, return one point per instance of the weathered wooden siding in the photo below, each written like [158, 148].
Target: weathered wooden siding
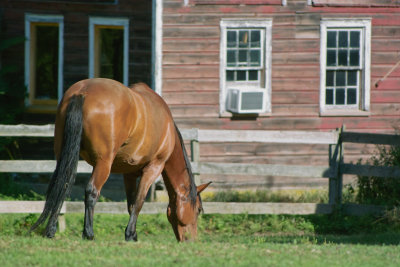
[76, 33]
[191, 62]
[191, 58]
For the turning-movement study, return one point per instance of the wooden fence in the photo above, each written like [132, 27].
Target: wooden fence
[333, 171]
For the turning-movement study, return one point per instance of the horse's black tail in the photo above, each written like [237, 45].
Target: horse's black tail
[64, 175]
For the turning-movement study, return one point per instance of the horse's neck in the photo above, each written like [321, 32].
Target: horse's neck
[176, 177]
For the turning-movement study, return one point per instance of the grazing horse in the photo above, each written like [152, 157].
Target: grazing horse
[123, 130]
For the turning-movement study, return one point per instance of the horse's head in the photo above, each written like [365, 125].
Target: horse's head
[182, 213]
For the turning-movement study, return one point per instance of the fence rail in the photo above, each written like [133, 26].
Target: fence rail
[334, 170]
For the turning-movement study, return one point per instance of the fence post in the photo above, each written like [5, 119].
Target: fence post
[195, 156]
[336, 181]
[62, 225]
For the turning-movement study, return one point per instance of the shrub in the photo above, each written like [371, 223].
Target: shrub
[377, 190]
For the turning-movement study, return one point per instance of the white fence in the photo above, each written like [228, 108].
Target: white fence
[334, 169]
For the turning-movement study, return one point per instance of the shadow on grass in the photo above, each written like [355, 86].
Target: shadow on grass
[362, 239]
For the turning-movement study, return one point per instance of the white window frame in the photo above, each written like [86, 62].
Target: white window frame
[107, 21]
[266, 25]
[157, 53]
[363, 108]
[35, 18]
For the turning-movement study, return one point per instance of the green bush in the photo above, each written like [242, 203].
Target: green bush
[377, 190]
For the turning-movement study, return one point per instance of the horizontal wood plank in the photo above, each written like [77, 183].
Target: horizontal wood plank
[370, 138]
[266, 208]
[48, 131]
[369, 170]
[261, 169]
[27, 130]
[235, 2]
[37, 166]
[209, 208]
[357, 3]
[287, 137]
[48, 166]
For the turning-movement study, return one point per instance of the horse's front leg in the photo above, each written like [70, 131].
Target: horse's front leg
[92, 192]
[150, 174]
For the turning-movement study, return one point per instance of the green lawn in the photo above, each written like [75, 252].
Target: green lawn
[224, 240]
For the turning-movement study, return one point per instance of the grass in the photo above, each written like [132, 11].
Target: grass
[224, 240]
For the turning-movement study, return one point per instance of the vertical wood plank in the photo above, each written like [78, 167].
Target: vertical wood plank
[336, 182]
[62, 225]
[195, 156]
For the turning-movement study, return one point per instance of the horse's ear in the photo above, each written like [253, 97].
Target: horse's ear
[201, 188]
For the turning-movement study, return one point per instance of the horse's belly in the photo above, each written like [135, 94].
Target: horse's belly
[127, 163]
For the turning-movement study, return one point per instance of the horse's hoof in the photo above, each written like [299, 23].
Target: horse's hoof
[87, 237]
[131, 237]
[49, 235]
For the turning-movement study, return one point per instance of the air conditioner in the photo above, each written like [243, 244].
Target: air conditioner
[246, 100]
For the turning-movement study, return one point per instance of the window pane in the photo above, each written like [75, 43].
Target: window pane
[351, 96]
[340, 96]
[243, 56]
[340, 78]
[243, 38]
[255, 38]
[331, 58]
[343, 42]
[231, 39]
[241, 75]
[329, 97]
[46, 64]
[230, 75]
[255, 57]
[331, 39]
[354, 57]
[329, 78]
[111, 53]
[231, 57]
[253, 75]
[355, 39]
[343, 58]
[352, 78]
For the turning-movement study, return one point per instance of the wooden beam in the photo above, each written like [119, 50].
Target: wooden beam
[265, 208]
[261, 169]
[370, 138]
[209, 208]
[369, 170]
[37, 166]
[48, 131]
[27, 130]
[282, 137]
[48, 166]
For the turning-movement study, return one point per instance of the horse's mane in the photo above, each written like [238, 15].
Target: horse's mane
[193, 189]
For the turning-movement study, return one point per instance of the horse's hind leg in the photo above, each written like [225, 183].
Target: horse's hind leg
[150, 174]
[130, 182]
[92, 192]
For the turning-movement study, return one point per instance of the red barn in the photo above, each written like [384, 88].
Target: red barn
[281, 65]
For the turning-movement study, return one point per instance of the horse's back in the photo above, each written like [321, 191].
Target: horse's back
[127, 126]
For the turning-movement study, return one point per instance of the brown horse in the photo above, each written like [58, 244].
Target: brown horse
[122, 130]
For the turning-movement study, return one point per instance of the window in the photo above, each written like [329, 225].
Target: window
[108, 51]
[345, 67]
[44, 59]
[245, 62]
